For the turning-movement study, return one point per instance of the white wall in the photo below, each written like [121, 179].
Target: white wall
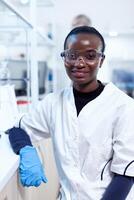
[106, 16]
[118, 50]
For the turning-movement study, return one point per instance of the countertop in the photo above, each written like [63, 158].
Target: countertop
[9, 161]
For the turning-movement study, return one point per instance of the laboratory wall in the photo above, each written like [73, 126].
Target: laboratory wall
[32, 35]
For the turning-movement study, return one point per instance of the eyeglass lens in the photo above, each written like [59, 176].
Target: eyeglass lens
[90, 55]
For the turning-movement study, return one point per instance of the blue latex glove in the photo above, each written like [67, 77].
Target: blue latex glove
[30, 169]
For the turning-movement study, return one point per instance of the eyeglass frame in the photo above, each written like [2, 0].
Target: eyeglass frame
[98, 54]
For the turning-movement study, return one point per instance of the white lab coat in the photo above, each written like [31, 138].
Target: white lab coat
[90, 147]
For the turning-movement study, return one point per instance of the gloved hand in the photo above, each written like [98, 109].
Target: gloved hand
[30, 168]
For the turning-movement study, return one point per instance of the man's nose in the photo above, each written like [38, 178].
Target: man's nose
[80, 61]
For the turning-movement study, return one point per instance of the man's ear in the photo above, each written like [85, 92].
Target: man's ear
[102, 60]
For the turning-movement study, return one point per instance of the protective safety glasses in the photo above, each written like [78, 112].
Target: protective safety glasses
[89, 56]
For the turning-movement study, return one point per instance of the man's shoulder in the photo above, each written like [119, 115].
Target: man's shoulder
[121, 96]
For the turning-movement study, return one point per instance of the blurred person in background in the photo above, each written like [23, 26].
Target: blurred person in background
[81, 20]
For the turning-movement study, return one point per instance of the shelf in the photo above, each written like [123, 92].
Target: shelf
[22, 39]
[12, 37]
[14, 27]
[44, 39]
[11, 17]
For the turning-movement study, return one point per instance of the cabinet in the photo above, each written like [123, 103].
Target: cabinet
[18, 34]
[49, 190]
[10, 187]
[24, 49]
[10, 191]
[122, 74]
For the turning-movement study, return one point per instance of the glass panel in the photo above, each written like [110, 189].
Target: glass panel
[11, 18]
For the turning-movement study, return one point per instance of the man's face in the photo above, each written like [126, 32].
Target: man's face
[83, 58]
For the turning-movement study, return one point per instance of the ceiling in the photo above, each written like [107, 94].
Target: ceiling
[106, 15]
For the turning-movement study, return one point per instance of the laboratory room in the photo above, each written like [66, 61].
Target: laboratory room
[66, 100]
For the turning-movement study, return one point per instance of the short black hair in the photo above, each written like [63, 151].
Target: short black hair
[85, 29]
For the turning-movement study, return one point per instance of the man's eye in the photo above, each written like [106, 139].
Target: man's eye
[72, 56]
[91, 55]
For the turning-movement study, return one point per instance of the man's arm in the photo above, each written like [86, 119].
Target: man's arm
[18, 139]
[30, 168]
[119, 188]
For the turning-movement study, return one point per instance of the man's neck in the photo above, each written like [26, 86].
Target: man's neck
[85, 88]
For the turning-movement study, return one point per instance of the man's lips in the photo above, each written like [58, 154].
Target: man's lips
[79, 73]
